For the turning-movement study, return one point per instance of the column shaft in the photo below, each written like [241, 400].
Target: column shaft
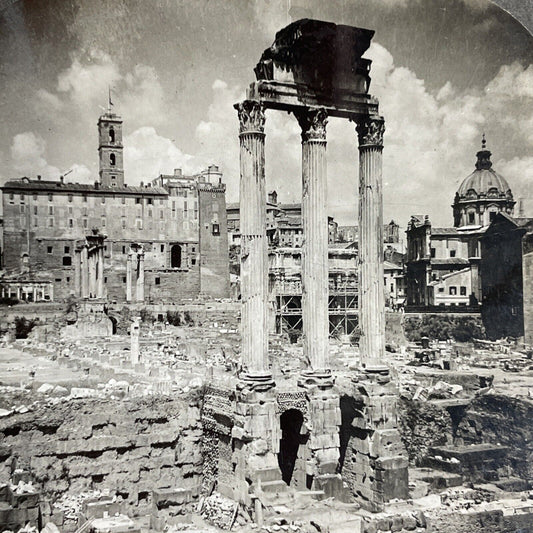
[128, 278]
[92, 275]
[77, 272]
[134, 337]
[100, 274]
[371, 284]
[254, 257]
[140, 279]
[315, 315]
[84, 272]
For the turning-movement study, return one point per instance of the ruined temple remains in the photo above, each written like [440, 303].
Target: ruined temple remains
[316, 431]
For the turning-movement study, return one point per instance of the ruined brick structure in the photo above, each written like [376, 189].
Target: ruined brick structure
[155, 242]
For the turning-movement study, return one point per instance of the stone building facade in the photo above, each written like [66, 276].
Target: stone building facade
[507, 277]
[161, 241]
[442, 267]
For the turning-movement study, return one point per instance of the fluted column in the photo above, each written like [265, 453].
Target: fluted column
[371, 286]
[315, 315]
[128, 277]
[140, 278]
[254, 257]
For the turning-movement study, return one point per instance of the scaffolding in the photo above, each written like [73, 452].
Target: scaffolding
[286, 287]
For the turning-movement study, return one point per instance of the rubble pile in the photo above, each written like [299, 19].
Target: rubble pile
[219, 511]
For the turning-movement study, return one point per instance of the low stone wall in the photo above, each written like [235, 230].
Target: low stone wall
[423, 425]
[499, 419]
[130, 447]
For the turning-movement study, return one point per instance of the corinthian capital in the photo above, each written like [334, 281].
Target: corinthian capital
[251, 116]
[370, 131]
[313, 123]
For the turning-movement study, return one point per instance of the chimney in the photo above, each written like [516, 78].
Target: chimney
[38, 177]
[177, 172]
[62, 179]
[142, 183]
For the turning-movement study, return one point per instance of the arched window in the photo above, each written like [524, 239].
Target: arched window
[111, 135]
[112, 160]
[175, 256]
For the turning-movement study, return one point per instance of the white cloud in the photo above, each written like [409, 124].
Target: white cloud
[49, 100]
[147, 154]
[86, 82]
[431, 139]
[219, 144]
[82, 90]
[27, 151]
[80, 174]
[512, 81]
[519, 173]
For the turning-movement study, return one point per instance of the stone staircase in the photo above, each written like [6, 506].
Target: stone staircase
[272, 491]
[477, 463]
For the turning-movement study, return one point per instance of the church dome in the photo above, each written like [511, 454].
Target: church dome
[484, 181]
[482, 194]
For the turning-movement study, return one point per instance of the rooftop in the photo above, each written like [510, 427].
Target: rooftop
[59, 186]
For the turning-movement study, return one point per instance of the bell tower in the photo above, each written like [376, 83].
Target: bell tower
[110, 150]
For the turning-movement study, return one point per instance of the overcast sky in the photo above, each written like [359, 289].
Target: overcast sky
[444, 71]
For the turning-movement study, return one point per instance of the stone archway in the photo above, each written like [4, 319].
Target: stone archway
[114, 323]
[291, 422]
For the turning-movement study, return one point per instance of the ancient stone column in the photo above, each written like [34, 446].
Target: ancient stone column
[140, 278]
[100, 273]
[254, 258]
[128, 277]
[84, 272]
[92, 275]
[77, 272]
[315, 316]
[134, 338]
[371, 288]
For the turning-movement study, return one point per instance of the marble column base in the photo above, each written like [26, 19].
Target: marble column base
[256, 381]
[322, 379]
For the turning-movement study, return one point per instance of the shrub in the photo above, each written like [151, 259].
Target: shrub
[444, 327]
[23, 326]
[146, 316]
[173, 318]
[8, 301]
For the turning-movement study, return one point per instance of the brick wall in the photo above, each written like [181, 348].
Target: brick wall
[214, 257]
